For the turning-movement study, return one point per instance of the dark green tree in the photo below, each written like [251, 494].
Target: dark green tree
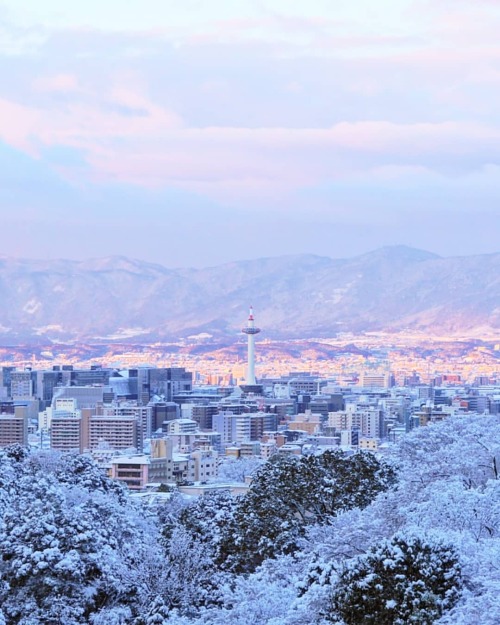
[289, 493]
[402, 581]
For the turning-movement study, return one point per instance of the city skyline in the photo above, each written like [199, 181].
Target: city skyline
[194, 136]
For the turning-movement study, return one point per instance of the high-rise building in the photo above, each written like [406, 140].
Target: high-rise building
[162, 412]
[5, 380]
[68, 431]
[73, 429]
[116, 431]
[21, 384]
[237, 428]
[163, 383]
[142, 414]
[203, 415]
[13, 429]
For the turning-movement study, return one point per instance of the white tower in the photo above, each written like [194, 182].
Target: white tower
[251, 331]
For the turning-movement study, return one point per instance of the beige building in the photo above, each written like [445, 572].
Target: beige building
[118, 432]
[69, 431]
[68, 425]
[429, 415]
[371, 444]
[369, 421]
[268, 449]
[13, 429]
[233, 452]
[66, 434]
[348, 419]
[82, 430]
[164, 466]
[132, 470]
[142, 414]
[369, 379]
[249, 449]
[290, 449]
[306, 422]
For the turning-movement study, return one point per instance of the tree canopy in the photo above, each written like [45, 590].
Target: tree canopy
[317, 539]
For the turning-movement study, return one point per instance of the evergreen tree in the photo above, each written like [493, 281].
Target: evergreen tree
[404, 580]
[290, 493]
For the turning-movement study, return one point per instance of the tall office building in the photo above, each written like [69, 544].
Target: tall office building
[238, 428]
[162, 383]
[162, 413]
[5, 380]
[21, 384]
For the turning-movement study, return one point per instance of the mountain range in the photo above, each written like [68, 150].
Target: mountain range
[297, 296]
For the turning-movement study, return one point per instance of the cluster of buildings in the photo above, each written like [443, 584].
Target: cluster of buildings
[151, 425]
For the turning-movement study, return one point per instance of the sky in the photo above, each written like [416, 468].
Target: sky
[198, 132]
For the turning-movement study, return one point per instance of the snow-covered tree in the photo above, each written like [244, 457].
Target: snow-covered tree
[237, 469]
[466, 447]
[157, 614]
[69, 551]
[191, 580]
[76, 469]
[75, 548]
[452, 494]
[289, 493]
[401, 581]
[206, 520]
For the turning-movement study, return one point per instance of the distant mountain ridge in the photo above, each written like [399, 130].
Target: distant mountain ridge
[297, 296]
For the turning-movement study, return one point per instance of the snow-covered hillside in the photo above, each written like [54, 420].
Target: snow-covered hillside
[116, 299]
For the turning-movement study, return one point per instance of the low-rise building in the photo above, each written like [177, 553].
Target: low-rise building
[132, 470]
[372, 444]
[306, 422]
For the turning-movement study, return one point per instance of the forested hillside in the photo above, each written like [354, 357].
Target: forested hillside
[353, 540]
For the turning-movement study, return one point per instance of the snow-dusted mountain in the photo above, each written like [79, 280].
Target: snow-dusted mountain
[117, 298]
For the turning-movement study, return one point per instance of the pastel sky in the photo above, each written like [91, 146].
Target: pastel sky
[196, 132]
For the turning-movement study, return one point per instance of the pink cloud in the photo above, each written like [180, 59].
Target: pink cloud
[122, 114]
[57, 82]
[16, 125]
[125, 136]
[229, 164]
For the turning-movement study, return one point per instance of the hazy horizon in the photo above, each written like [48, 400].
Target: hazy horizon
[84, 259]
